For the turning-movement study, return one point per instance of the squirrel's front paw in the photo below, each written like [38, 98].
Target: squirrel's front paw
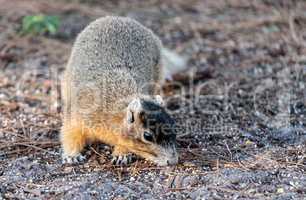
[125, 159]
[79, 158]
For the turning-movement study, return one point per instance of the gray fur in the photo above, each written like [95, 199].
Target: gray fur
[111, 60]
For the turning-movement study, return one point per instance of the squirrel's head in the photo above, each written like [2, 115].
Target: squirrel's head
[152, 130]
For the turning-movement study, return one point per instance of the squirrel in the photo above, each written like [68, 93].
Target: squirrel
[110, 92]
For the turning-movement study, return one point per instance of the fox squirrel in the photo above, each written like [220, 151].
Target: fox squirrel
[109, 91]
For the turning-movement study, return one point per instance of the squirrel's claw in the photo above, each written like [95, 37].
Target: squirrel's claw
[73, 159]
[121, 160]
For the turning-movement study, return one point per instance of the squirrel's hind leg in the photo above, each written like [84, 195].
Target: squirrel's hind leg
[73, 140]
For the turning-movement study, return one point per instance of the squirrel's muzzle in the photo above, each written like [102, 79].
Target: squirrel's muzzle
[167, 156]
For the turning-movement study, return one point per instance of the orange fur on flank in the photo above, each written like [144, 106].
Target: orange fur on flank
[76, 135]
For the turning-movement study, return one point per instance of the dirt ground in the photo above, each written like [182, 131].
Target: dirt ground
[240, 113]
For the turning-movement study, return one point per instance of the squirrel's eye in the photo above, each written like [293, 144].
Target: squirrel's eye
[148, 136]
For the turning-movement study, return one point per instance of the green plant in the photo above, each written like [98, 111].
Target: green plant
[40, 24]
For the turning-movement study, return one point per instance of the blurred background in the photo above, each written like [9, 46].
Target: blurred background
[242, 119]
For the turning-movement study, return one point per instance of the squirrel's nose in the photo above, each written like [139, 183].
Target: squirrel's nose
[172, 161]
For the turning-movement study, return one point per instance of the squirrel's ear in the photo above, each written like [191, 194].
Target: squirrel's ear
[130, 117]
[159, 100]
[133, 107]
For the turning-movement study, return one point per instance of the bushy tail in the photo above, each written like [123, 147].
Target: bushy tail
[172, 63]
